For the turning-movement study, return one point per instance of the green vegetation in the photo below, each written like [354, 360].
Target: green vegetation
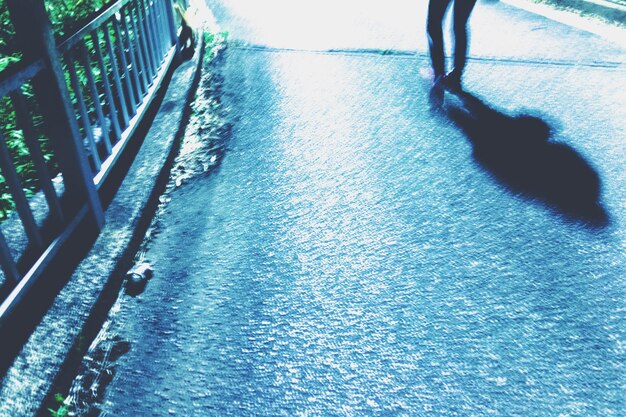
[65, 16]
[21, 157]
[8, 51]
[63, 408]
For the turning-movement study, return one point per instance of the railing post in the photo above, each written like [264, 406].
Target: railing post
[7, 263]
[169, 10]
[33, 32]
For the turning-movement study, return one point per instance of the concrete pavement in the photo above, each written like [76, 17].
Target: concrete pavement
[353, 255]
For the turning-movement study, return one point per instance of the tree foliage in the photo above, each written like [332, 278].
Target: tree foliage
[65, 15]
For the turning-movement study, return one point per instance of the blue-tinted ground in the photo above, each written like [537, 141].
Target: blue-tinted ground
[357, 254]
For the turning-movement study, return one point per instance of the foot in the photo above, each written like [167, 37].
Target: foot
[436, 92]
[452, 82]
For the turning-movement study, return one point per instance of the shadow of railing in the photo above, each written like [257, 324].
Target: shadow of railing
[518, 151]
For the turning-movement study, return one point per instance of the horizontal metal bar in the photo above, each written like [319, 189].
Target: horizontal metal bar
[35, 271]
[89, 27]
[14, 78]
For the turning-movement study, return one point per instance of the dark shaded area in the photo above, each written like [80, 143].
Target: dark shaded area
[519, 152]
[187, 41]
[98, 370]
[25, 317]
[112, 188]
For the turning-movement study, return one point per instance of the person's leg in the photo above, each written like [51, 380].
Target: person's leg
[436, 12]
[462, 11]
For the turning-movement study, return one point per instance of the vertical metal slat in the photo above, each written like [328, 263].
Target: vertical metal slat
[141, 39]
[133, 63]
[163, 27]
[139, 62]
[7, 262]
[171, 24]
[116, 75]
[104, 128]
[157, 33]
[159, 28]
[107, 86]
[25, 123]
[148, 38]
[134, 99]
[21, 203]
[84, 117]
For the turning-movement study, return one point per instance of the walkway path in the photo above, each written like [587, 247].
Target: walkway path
[353, 256]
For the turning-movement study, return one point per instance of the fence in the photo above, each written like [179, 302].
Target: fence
[73, 108]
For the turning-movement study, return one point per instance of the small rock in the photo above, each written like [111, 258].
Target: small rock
[138, 276]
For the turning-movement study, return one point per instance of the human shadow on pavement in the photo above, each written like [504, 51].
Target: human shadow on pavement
[518, 151]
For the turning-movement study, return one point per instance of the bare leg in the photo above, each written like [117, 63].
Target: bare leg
[436, 12]
[462, 11]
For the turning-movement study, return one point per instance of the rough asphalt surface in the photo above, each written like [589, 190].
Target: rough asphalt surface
[358, 254]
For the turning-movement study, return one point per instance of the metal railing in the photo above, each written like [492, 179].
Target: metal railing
[136, 27]
[106, 75]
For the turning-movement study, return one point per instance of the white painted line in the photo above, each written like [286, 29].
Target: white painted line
[613, 33]
[608, 4]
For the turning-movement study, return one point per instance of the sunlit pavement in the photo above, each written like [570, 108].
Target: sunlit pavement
[351, 256]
